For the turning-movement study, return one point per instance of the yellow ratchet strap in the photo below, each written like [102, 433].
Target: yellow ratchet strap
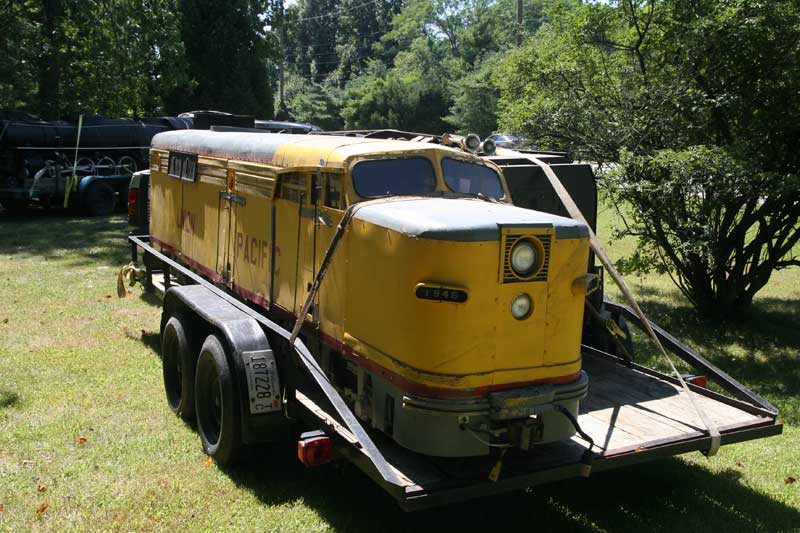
[130, 273]
[72, 181]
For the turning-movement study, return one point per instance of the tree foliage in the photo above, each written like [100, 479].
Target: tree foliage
[696, 102]
[18, 64]
[228, 56]
[401, 63]
[134, 57]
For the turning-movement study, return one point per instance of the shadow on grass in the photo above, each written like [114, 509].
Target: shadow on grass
[152, 339]
[8, 398]
[760, 351]
[150, 298]
[62, 235]
[666, 495]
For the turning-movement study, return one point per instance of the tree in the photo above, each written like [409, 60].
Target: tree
[50, 63]
[434, 47]
[313, 103]
[696, 104]
[90, 56]
[227, 54]
[117, 62]
[474, 108]
[18, 57]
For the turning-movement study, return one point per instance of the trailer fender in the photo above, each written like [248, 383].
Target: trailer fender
[260, 403]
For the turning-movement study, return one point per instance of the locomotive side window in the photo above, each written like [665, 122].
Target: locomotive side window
[294, 187]
[182, 166]
[471, 178]
[390, 177]
[333, 191]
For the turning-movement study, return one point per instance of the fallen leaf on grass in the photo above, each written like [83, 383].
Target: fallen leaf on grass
[789, 480]
[208, 461]
[80, 440]
[41, 508]
[41, 488]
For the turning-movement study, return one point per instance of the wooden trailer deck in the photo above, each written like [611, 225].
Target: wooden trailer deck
[632, 414]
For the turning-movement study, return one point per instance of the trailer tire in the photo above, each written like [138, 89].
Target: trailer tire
[178, 368]
[216, 404]
[628, 342]
[100, 200]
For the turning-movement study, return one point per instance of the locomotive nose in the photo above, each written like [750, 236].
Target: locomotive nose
[463, 315]
[472, 289]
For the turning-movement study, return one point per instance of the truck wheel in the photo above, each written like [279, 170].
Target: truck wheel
[178, 368]
[215, 404]
[100, 200]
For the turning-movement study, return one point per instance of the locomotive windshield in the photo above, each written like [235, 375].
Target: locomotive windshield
[394, 177]
[471, 178]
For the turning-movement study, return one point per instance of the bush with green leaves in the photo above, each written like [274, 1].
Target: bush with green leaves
[696, 106]
[716, 223]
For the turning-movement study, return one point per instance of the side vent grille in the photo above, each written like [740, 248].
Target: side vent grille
[508, 274]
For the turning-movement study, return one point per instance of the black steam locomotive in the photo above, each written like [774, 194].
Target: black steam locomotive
[40, 160]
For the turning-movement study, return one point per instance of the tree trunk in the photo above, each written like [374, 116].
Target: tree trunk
[50, 60]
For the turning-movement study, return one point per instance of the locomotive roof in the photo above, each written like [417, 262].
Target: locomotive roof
[286, 150]
[463, 219]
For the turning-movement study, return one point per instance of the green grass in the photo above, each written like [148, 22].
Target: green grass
[77, 361]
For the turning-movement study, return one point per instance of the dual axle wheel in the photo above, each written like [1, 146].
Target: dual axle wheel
[202, 389]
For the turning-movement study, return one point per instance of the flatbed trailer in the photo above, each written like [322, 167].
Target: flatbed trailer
[632, 413]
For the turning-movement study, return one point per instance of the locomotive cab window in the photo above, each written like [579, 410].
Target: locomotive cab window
[334, 196]
[394, 177]
[471, 178]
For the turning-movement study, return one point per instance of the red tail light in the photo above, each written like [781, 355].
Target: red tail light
[700, 381]
[132, 196]
[314, 448]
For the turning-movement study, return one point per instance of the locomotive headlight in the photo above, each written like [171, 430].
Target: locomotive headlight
[521, 306]
[524, 257]
[472, 142]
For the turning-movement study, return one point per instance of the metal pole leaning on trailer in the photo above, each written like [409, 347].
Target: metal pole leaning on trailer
[598, 249]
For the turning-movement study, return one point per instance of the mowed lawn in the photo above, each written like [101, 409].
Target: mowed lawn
[87, 441]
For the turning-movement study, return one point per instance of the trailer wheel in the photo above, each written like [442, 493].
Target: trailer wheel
[628, 342]
[178, 368]
[215, 404]
[100, 200]
[622, 347]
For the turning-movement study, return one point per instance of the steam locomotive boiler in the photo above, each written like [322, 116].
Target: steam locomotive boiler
[38, 159]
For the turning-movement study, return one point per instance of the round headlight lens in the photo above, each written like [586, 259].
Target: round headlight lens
[521, 306]
[523, 258]
[472, 142]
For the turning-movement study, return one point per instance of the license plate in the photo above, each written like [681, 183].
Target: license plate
[263, 386]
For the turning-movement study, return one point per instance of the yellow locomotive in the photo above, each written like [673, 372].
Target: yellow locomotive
[449, 319]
